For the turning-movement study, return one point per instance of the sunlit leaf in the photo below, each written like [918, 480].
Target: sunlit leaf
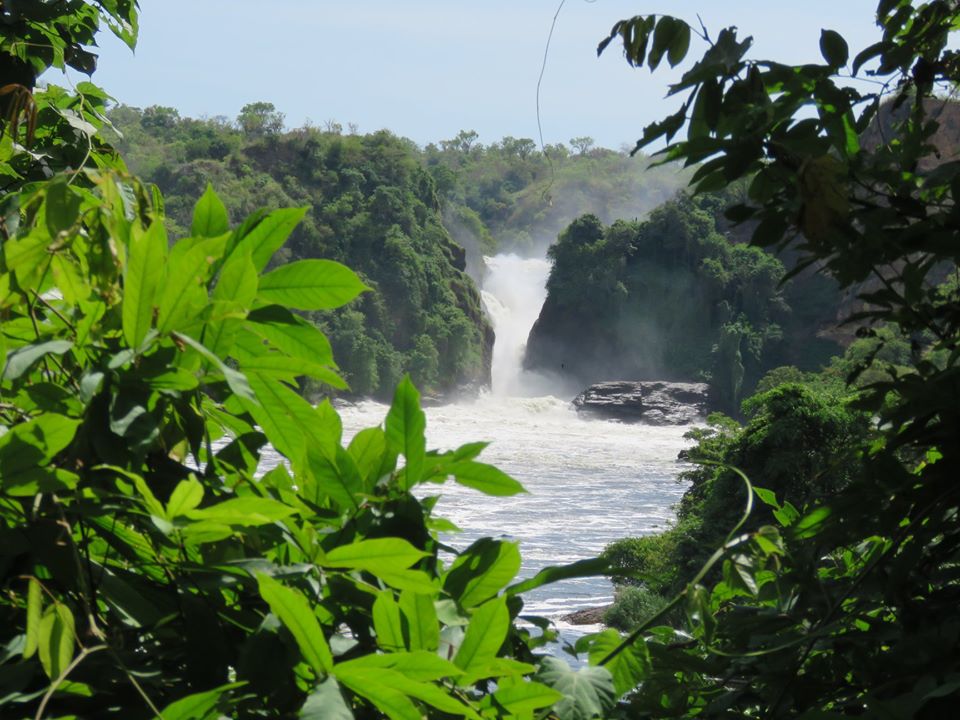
[485, 634]
[142, 276]
[293, 610]
[311, 285]
[209, 215]
[405, 428]
[56, 640]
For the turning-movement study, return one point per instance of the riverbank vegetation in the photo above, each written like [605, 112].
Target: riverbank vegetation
[152, 347]
[835, 596]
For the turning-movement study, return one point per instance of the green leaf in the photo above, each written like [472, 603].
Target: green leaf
[418, 665]
[485, 635]
[481, 571]
[588, 693]
[269, 235]
[405, 428]
[628, 667]
[376, 555]
[68, 278]
[187, 495]
[61, 207]
[32, 445]
[485, 478]
[56, 640]
[387, 623]
[19, 361]
[592, 567]
[288, 368]
[238, 281]
[335, 478]
[210, 217]
[198, 706]
[293, 610]
[34, 608]
[679, 45]
[246, 511]
[141, 281]
[275, 416]
[184, 293]
[368, 448]
[524, 697]
[291, 334]
[326, 702]
[365, 683]
[834, 48]
[423, 627]
[238, 384]
[311, 285]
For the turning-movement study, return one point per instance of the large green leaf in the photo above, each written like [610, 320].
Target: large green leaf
[378, 554]
[588, 693]
[482, 570]
[22, 359]
[144, 269]
[326, 702]
[34, 610]
[56, 641]
[311, 285]
[238, 281]
[293, 610]
[184, 292]
[423, 627]
[335, 478]
[424, 692]
[186, 496]
[273, 413]
[418, 665]
[247, 511]
[387, 622]
[365, 683]
[405, 427]
[288, 369]
[238, 383]
[368, 449]
[32, 445]
[485, 478]
[268, 235]
[592, 567]
[198, 706]
[485, 635]
[291, 334]
[523, 697]
[628, 667]
[209, 215]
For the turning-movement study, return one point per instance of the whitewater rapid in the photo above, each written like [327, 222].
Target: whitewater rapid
[589, 482]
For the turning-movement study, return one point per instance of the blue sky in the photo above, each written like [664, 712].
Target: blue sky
[426, 69]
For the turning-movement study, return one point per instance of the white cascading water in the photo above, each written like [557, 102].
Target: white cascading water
[514, 289]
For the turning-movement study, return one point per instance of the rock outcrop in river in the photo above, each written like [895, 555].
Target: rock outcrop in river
[652, 402]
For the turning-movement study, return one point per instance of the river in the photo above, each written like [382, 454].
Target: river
[589, 482]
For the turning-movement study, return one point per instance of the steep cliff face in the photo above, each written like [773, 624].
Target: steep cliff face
[372, 206]
[670, 298]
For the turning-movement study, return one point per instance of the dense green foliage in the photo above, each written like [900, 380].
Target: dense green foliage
[370, 205]
[800, 440]
[512, 195]
[672, 298]
[150, 566]
[843, 603]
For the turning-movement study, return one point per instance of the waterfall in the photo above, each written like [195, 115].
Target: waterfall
[514, 289]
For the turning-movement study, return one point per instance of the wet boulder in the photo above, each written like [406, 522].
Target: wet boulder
[653, 402]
